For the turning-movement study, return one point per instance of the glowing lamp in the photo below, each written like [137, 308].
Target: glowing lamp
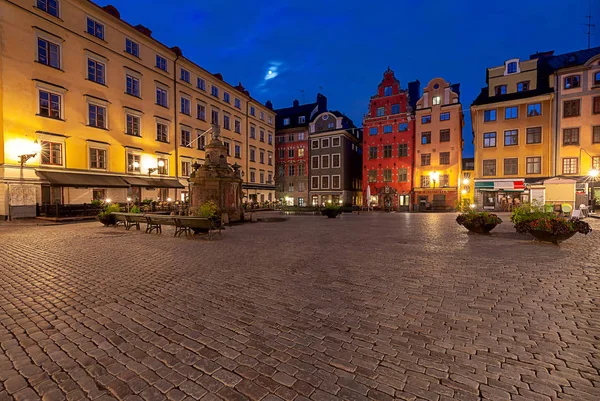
[434, 175]
[466, 181]
[161, 163]
[472, 206]
[107, 200]
[128, 199]
[594, 173]
[136, 165]
[168, 199]
[464, 191]
[29, 151]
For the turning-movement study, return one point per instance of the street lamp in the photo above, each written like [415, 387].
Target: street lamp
[434, 176]
[33, 151]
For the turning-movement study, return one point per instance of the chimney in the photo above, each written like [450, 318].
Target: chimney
[144, 30]
[296, 103]
[269, 105]
[321, 103]
[112, 10]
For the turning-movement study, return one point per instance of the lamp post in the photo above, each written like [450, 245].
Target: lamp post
[593, 174]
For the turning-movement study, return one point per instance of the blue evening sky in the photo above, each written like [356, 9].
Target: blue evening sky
[344, 46]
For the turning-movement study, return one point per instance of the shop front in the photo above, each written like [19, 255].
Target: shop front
[500, 195]
[436, 200]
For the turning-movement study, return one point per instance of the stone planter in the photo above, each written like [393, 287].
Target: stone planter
[549, 237]
[107, 220]
[331, 214]
[480, 229]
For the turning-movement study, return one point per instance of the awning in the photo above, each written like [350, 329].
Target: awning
[152, 182]
[64, 179]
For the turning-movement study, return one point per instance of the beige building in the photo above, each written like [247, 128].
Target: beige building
[92, 107]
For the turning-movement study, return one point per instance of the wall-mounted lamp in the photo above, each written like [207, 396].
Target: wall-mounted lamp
[159, 165]
[34, 150]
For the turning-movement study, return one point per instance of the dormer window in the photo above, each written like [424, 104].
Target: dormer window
[523, 86]
[511, 68]
[572, 82]
[436, 100]
[500, 90]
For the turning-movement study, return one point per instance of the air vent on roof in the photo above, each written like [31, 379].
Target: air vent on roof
[112, 10]
[144, 30]
[177, 51]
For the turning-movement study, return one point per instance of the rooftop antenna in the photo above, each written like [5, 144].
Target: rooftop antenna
[302, 92]
[589, 25]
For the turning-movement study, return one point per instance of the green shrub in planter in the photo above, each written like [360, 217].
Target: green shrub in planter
[331, 211]
[105, 216]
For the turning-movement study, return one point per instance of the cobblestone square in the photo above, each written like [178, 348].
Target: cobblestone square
[371, 306]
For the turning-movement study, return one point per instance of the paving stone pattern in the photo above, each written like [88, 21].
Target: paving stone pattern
[370, 306]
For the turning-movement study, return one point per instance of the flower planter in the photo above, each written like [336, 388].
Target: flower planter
[549, 237]
[331, 214]
[107, 220]
[480, 229]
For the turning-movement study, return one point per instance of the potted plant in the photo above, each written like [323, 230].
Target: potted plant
[331, 211]
[552, 228]
[105, 216]
[209, 210]
[478, 222]
[135, 209]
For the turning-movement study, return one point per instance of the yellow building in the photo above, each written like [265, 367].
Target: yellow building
[438, 147]
[512, 123]
[467, 187]
[94, 108]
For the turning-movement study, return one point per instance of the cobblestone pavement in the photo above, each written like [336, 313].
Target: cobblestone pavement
[370, 306]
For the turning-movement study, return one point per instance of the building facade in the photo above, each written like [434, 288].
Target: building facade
[512, 123]
[335, 160]
[292, 151]
[438, 147]
[467, 189]
[388, 145]
[95, 108]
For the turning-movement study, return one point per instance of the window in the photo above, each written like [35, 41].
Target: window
[50, 104]
[571, 136]
[214, 117]
[511, 112]
[511, 137]
[402, 174]
[301, 120]
[387, 175]
[201, 84]
[572, 82]
[49, 6]
[335, 182]
[523, 86]
[395, 109]
[570, 165]
[489, 167]
[133, 125]
[534, 110]
[261, 136]
[314, 183]
[596, 134]
[402, 150]
[252, 176]
[96, 71]
[237, 126]
[228, 147]
[444, 157]
[214, 91]
[186, 138]
[597, 78]
[201, 112]
[380, 111]
[184, 75]
[133, 163]
[286, 121]
[95, 28]
[387, 91]
[596, 105]
[571, 108]
[335, 142]
[162, 132]
[534, 165]
[281, 153]
[162, 97]
[426, 159]
[511, 166]
[161, 62]
[301, 152]
[403, 127]
[252, 154]
[51, 153]
[238, 151]
[511, 67]
[373, 131]
[252, 111]
[372, 152]
[252, 132]
[290, 153]
[387, 151]
[201, 141]
[132, 85]
[325, 161]
[324, 182]
[315, 144]
[426, 119]
[489, 115]
[301, 136]
[445, 116]
[325, 143]
[301, 169]
[237, 103]
[426, 138]
[500, 90]
[387, 129]
[48, 53]
[132, 47]
[315, 162]
[372, 175]
[489, 140]
[226, 97]
[534, 135]
[186, 106]
[185, 168]
[596, 162]
[226, 119]
[424, 181]
[445, 135]
[261, 115]
[270, 139]
[164, 169]
[291, 170]
[98, 158]
[335, 160]
[97, 116]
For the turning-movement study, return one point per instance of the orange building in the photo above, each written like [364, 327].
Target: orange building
[438, 147]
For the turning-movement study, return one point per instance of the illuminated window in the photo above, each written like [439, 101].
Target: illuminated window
[436, 100]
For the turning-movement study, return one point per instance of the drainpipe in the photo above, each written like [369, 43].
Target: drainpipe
[556, 134]
[175, 118]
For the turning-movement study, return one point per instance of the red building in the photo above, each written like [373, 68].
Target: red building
[388, 144]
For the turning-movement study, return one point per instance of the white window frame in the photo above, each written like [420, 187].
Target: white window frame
[100, 103]
[339, 159]
[318, 162]
[136, 75]
[52, 138]
[98, 59]
[323, 140]
[339, 141]
[313, 142]
[136, 113]
[166, 62]
[185, 72]
[323, 158]
[190, 130]
[185, 159]
[133, 42]
[158, 120]
[321, 181]
[339, 181]
[46, 87]
[53, 39]
[163, 88]
[100, 146]
[96, 22]
[512, 60]
[201, 84]
[312, 182]
[189, 99]
[134, 152]
[59, 3]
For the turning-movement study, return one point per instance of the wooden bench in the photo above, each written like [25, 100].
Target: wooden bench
[190, 224]
[129, 219]
[155, 222]
[120, 219]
